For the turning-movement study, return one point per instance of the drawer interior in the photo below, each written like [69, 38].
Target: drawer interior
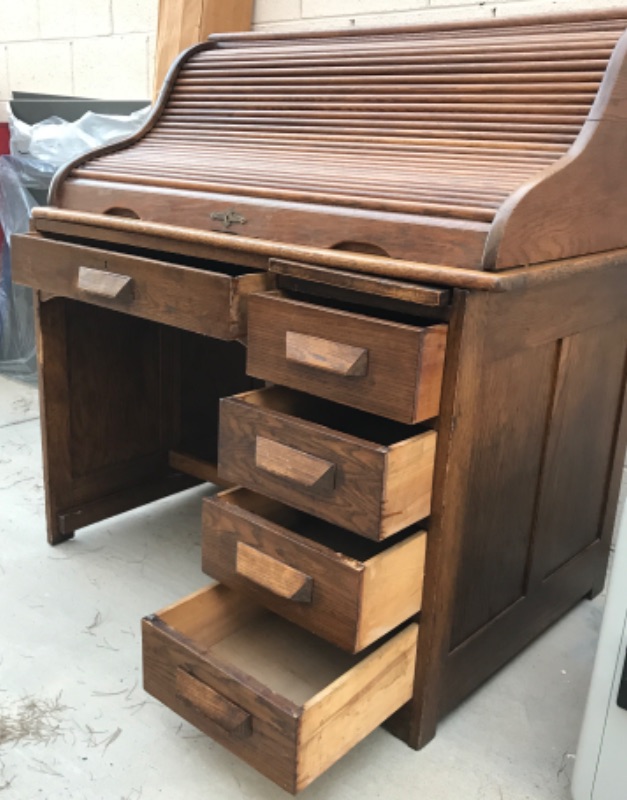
[317, 531]
[278, 654]
[284, 657]
[330, 415]
[402, 314]
[170, 257]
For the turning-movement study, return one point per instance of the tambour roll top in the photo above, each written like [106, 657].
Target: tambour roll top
[484, 146]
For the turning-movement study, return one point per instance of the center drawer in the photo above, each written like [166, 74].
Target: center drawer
[367, 474]
[285, 701]
[211, 300]
[347, 589]
[384, 366]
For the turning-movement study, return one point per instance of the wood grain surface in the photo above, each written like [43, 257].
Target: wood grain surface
[203, 301]
[433, 144]
[200, 674]
[395, 371]
[357, 591]
[380, 486]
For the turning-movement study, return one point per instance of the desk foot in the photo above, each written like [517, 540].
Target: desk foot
[55, 537]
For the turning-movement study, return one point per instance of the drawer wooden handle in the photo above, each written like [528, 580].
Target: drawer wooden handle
[323, 354]
[214, 706]
[105, 284]
[293, 465]
[272, 574]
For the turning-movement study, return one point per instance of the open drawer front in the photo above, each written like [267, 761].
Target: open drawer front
[188, 293]
[283, 700]
[345, 588]
[369, 475]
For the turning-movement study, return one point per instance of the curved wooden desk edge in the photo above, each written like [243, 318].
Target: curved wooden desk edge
[548, 219]
[81, 225]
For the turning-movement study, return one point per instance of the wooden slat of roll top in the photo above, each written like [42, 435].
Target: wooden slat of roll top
[468, 66]
[401, 127]
[450, 89]
[185, 134]
[284, 143]
[428, 104]
[546, 48]
[420, 64]
[471, 101]
[382, 119]
[416, 110]
[511, 75]
[380, 47]
[566, 137]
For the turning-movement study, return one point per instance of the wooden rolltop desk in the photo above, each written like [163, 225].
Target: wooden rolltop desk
[373, 283]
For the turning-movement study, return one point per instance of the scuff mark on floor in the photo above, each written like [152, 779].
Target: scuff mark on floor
[97, 621]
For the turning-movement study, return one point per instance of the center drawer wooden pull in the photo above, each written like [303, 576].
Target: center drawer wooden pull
[308, 471]
[272, 574]
[324, 354]
[105, 284]
[212, 705]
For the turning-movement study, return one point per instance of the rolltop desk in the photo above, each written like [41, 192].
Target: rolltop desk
[374, 284]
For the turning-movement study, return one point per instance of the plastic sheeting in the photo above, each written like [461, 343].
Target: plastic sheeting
[37, 151]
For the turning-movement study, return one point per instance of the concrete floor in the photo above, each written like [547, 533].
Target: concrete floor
[76, 723]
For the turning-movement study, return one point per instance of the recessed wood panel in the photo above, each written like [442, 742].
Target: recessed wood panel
[587, 399]
[502, 482]
[114, 387]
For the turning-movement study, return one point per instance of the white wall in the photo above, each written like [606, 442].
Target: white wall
[105, 48]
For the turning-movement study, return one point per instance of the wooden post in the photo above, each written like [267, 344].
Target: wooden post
[183, 23]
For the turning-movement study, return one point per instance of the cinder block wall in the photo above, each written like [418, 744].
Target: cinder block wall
[325, 14]
[105, 48]
[94, 48]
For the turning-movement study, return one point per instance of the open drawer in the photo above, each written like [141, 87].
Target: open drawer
[384, 366]
[200, 296]
[347, 589]
[283, 700]
[367, 474]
